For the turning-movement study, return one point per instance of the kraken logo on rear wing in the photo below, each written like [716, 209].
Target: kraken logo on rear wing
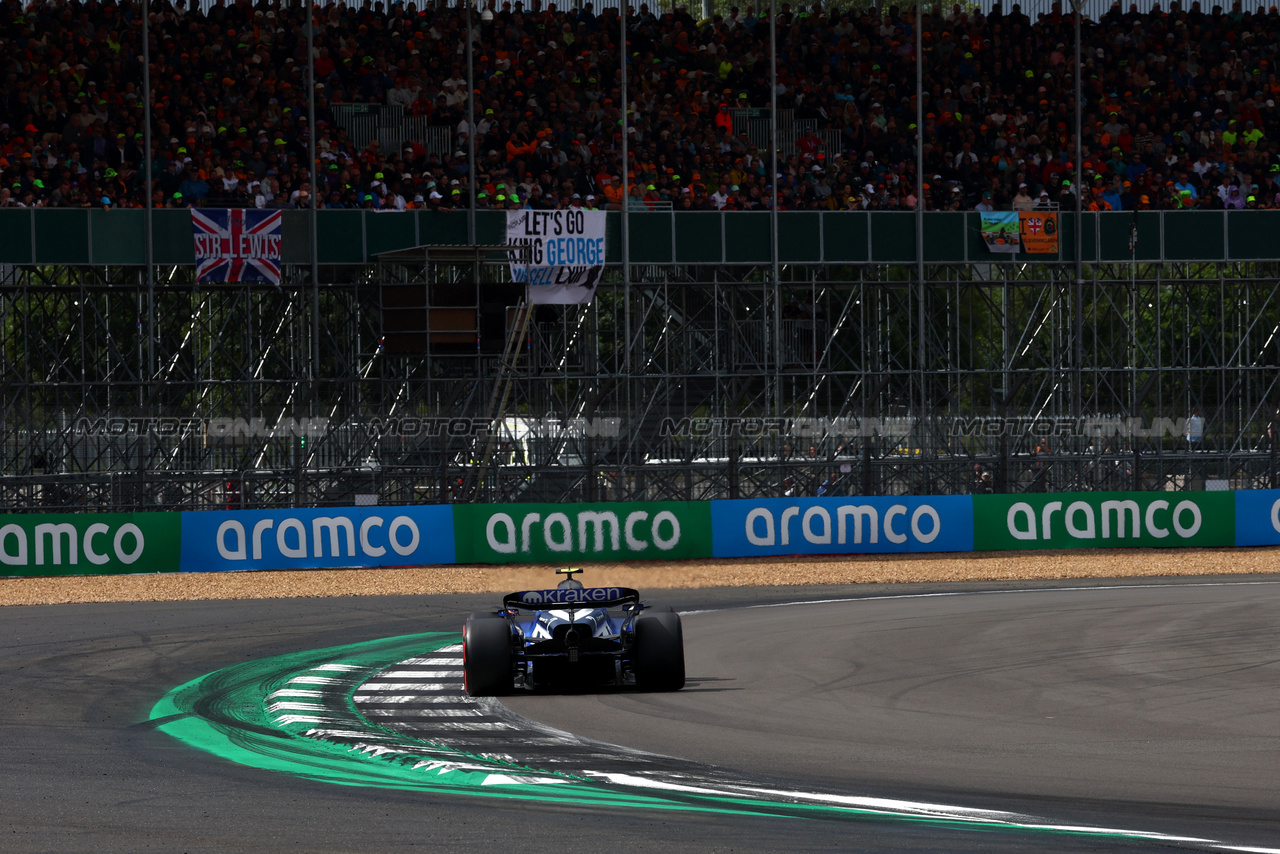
[591, 597]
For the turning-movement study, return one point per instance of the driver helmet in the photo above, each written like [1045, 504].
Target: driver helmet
[569, 582]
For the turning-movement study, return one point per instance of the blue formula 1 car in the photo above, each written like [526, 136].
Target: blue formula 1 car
[572, 636]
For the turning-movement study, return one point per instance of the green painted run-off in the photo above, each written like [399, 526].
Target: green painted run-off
[229, 714]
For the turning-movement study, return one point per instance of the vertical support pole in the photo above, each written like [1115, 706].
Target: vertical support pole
[148, 243]
[146, 326]
[632, 393]
[1077, 332]
[471, 131]
[1160, 401]
[773, 135]
[313, 391]
[773, 293]
[923, 402]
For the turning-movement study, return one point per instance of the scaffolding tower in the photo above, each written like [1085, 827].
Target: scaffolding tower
[423, 377]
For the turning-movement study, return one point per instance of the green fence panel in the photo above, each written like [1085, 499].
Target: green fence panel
[699, 239]
[569, 533]
[800, 237]
[89, 543]
[650, 235]
[117, 236]
[442, 228]
[173, 237]
[613, 238]
[893, 238]
[1130, 236]
[17, 246]
[1103, 519]
[747, 236]
[1253, 235]
[944, 236]
[295, 236]
[84, 237]
[845, 237]
[1114, 229]
[491, 227]
[62, 236]
[1149, 236]
[1089, 239]
[389, 231]
[340, 237]
[1195, 236]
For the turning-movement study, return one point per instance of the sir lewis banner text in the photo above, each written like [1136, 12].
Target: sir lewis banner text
[237, 245]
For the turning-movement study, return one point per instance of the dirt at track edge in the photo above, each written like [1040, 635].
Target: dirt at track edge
[646, 575]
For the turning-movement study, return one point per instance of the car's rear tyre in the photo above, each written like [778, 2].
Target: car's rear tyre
[659, 652]
[486, 656]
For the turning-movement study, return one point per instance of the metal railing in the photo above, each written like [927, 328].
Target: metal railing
[392, 127]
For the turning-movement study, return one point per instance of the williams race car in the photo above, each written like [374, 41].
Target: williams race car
[572, 636]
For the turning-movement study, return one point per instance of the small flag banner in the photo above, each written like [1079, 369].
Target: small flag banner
[237, 245]
[1000, 231]
[1039, 232]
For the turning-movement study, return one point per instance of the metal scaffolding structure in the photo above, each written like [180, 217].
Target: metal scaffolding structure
[435, 383]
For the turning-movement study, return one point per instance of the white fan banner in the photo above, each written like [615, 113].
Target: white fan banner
[564, 254]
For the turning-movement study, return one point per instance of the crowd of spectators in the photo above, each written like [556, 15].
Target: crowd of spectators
[1178, 107]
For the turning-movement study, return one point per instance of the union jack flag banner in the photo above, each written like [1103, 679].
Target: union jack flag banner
[237, 245]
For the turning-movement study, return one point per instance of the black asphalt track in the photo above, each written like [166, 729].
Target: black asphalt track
[1153, 708]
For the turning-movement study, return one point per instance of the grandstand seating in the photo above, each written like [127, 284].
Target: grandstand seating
[1179, 108]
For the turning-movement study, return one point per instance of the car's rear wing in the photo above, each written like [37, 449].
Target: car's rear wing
[572, 597]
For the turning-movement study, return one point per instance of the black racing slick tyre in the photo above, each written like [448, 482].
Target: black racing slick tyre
[659, 652]
[486, 656]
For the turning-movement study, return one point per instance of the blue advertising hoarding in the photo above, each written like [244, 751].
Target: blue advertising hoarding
[1258, 517]
[213, 541]
[309, 539]
[823, 526]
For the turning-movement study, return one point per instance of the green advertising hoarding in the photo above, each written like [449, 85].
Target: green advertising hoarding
[1103, 520]
[89, 543]
[567, 533]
